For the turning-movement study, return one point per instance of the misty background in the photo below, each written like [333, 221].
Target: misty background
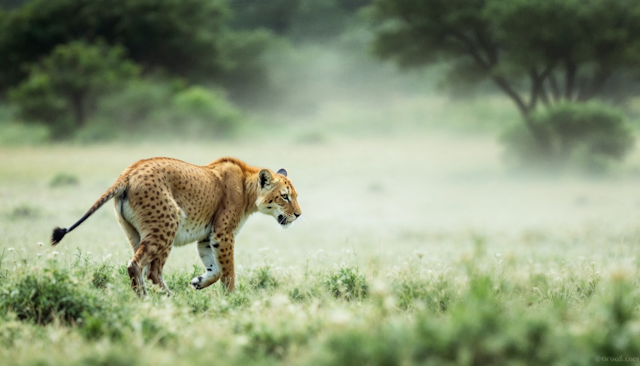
[79, 71]
[467, 170]
[414, 115]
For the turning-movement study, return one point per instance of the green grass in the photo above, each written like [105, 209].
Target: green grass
[84, 312]
[416, 251]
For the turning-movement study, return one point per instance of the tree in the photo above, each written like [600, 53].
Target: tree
[274, 15]
[296, 19]
[535, 51]
[180, 36]
[64, 87]
[12, 4]
[586, 137]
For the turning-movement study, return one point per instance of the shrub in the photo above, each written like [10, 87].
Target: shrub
[141, 107]
[70, 295]
[617, 332]
[158, 108]
[13, 132]
[106, 324]
[585, 136]
[17, 133]
[63, 89]
[480, 330]
[24, 211]
[64, 179]
[40, 296]
[38, 101]
[207, 111]
[182, 37]
[347, 283]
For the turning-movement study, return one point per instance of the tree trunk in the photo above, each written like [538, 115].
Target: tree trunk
[570, 75]
[544, 98]
[555, 91]
[595, 87]
[541, 139]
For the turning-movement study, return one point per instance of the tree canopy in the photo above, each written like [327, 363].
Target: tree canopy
[296, 19]
[183, 37]
[62, 89]
[535, 51]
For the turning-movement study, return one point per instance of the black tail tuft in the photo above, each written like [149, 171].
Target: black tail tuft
[58, 234]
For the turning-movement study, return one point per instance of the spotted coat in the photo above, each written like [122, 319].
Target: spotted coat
[164, 202]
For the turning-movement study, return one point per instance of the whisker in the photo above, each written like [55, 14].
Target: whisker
[302, 220]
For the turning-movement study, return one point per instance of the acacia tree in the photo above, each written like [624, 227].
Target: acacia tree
[535, 51]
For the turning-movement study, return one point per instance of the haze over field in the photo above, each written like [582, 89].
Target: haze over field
[386, 165]
[375, 196]
[470, 187]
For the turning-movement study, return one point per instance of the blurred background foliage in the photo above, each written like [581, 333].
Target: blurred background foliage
[88, 71]
[63, 89]
[537, 53]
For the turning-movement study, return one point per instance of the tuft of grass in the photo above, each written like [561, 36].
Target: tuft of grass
[102, 275]
[263, 278]
[64, 180]
[198, 302]
[305, 292]
[24, 212]
[478, 311]
[435, 295]
[42, 296]
[347, 283]
[238, 299]
[380, 345]
[109, 359]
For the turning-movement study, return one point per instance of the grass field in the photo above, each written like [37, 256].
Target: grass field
[412, 250]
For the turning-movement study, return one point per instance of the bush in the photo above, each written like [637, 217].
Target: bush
[15, 133]
[206, 111]
[74, 296]
[585, 136]
[24, 211]
[617, 334]
[180, 36]
[157, 108]
[38, 101]
[41, 296]
[63, 89]
[139, 108]
[63, 180]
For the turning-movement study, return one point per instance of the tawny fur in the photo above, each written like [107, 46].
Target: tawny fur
[162, 202]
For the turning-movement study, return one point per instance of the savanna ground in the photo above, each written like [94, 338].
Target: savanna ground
[415, 247]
